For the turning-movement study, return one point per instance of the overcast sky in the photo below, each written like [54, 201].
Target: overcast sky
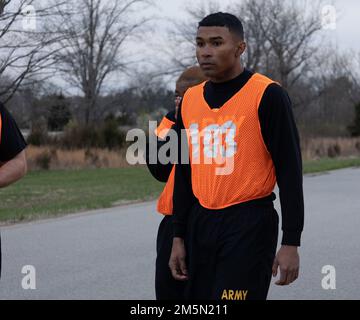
[346, 34]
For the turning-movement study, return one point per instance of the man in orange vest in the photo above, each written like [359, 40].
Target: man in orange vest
[166, 287]
[242, 140]
[12, 152]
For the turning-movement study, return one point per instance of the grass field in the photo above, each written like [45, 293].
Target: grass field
[328, 164]
[49, 193]
[43, 194]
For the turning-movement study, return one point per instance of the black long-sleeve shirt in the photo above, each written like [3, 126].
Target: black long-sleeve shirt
[158, 170]
[281, 138]
[12, 141]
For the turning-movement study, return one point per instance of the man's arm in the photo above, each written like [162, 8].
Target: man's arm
[282, 140]
[183, 199]
[12, 150]
[158, 170]
[13, 170]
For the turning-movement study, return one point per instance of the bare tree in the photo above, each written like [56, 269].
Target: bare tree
[350, 64]
[3, 4]
[95, 34]
[281, 36]
[258, 51]
[25, 55]
[180, 40]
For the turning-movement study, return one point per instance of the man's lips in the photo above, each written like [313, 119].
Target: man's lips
[207, 64]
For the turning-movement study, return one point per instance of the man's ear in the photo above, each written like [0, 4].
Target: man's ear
[240, 49]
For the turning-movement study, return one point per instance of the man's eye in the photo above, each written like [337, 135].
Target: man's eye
[199, 44]
[217, 43]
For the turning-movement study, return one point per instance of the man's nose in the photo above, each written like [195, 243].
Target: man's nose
[206, 51]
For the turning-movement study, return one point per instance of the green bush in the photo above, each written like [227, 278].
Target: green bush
[92, 158]
[357, 146]
[112, 137]
[334, 151]
[59, 113]
[43, 160]
[354, 129]
[106, 135]
[38, 136]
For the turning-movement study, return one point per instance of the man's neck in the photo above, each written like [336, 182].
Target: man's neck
[231, 75]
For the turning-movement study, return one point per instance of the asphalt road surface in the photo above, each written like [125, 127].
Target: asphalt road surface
[110, 254]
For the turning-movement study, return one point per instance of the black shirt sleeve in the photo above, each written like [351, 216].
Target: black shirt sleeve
[171, 116]
[12, 141]
[282, 140]
[158, 170]
[183, 197]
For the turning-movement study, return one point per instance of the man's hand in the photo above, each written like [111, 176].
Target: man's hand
[177, 262]
[287, 259]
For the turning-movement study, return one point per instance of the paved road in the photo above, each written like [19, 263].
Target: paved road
[110, 254]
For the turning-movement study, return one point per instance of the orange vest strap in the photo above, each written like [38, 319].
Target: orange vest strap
[162, 130]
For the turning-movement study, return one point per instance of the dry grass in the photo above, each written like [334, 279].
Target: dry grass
[317, 148]
[52, 158]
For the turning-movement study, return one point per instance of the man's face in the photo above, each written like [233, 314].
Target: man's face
[217, 51]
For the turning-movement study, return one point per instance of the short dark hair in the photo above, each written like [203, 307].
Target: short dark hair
[222, 19]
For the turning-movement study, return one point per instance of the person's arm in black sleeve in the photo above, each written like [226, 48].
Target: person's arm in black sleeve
[281, 137]
[12, 154]
[183, 197]
[158, 170]
[12, 141]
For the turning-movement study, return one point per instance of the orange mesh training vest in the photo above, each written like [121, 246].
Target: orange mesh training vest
[165, 201]
[229, 161]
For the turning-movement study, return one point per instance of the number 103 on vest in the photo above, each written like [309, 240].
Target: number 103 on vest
[214, 142]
